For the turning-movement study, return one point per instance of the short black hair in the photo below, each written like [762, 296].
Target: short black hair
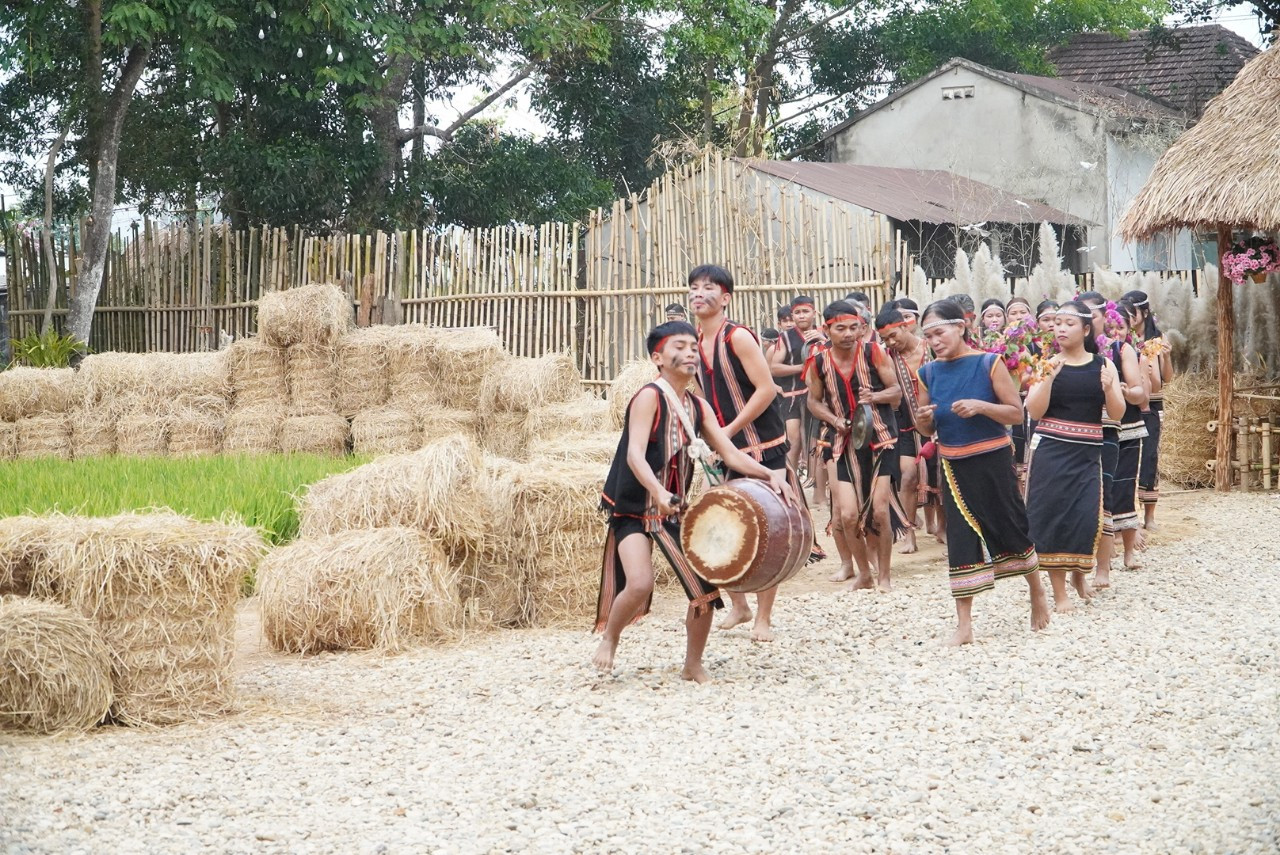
[964, 301]
[947, 309]
[1091, 297]
[770, 334]
[906, 304]
[673, 308]
[803, 300]
[666, 330]
[838, 308]
[890, 314]
[858, 297]
[784, 312]
[716, 274]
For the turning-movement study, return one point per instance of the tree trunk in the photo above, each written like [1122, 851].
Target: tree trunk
[98, 234]
[93, 86]
[46, 234]
[1222, 474]
[419, 111]
[708, 105]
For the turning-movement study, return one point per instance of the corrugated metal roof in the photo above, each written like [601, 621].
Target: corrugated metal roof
[930, 195]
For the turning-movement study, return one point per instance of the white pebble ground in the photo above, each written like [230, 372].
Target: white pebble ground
[1147, 721]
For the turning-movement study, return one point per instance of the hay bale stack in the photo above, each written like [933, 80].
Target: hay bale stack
[8, 440]
[23, 542]
[46, 435]
[311, 377]
[142, 434]
[308, 314]
[583, 414]
[1186, 445]
[55, 671]
[383, 589]
[385, 431]
[29, 392]
[195, 434]
[630, 379]
[363, 378]
[462, 359]
[432, 490]
[522, 385]
[439, 422]
[505, 434]
[574, 447]
[155, 384]
[254, 430]
[321, 434]
[558, 519]
[494, 593]
[257, 373]
[93, 433]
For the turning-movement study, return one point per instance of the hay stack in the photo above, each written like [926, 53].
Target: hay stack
[44, 436]
[93, 433]
[505, 434]
[439, 422]
[631, 379]
[494, 592]
[28, 392]
[432, 490]
[322, 434]
[411, 361]
[161, 589]
[1186, 445]
[8, 440]
[462, 359]
[363, 379]
[142, 435]
[194, 434]
[574, 447]
[308, 314]
[311, 376]
[380, 588]
[23, 543]
[525, 384]
[385, 431]
[255, 430]
[257, 373]
[583, 414]
[116, 384]
[557, 517]
[55, 671]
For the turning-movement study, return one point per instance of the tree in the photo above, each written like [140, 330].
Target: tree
[1199, 11]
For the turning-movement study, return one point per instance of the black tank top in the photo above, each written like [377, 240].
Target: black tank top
[623, 494]
[1132, 417]
[844, 390]
[1076, 402]
[727, 388]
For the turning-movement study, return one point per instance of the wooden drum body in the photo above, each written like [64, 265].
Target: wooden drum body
[742, 537]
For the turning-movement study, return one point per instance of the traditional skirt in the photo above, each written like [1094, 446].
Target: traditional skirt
[1148, 470]
[1064, 502]
[1124, 498]
[1110, 457]
[871, 465]
[666, 534]
[930, 480]
[987, 536]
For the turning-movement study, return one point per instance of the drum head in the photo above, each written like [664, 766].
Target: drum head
[720, 535]
[861, 430]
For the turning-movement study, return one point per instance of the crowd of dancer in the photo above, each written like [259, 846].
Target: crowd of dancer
[1023, 438]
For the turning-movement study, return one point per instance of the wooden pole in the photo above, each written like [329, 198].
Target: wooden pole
[1222, 473]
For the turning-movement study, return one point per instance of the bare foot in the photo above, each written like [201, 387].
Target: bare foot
[734, 618]
[1039, 613]
[761, 632]
[884, 586]
[1063, 606]
[603, 660]
[861, 583]
[963, 635]
[1151, 526]
[941, 536]
[695, 673]
[1132, 562]
[844, 573]
[1102, 579]
[908, 544]
[1140, 540]
[1081, 584]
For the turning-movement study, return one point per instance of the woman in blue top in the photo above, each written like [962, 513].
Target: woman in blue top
[967, 397]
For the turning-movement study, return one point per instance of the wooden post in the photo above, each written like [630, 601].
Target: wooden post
[1222, 474]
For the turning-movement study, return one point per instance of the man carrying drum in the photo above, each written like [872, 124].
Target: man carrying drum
[667, 429]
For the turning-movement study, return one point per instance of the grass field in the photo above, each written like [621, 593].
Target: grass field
[257, 490]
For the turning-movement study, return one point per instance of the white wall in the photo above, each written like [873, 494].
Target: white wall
[1129, 165]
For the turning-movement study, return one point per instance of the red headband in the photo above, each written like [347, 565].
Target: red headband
[657, 348]
[838, 318]
[907, 323]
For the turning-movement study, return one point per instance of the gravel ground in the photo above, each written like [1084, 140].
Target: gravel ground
[1147, 721]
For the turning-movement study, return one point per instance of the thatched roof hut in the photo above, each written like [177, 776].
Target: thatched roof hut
[1223, 175]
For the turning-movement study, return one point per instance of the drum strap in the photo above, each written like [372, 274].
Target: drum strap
[697, 446]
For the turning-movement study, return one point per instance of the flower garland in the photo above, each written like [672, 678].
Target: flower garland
[1257, 255]
[1022, 349]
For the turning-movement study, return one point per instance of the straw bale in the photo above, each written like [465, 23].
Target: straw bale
[505, 434]
[254, 430]
[558, 522]
[384, 588]
[311, 375]
[44, 436]
[257, 373]
[631, 379]
[1222, 170]
[494, 592]
[411, 359]
[142, 435]
[155, 383]
[194, 434]
[22, 549]
[8, 440]
[462, 359]
[576, 446]
[385, 431]
[432, 489]
[583, 414]
[55, 670]
[363, 376]
[93, 433]
[308, 314]
[439, 422]
[157, 586]
[27, 392]
[523, 384]
[315, 435]
[1186, 445]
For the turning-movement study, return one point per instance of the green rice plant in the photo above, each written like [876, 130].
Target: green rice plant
[50, 349]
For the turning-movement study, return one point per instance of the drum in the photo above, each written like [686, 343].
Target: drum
[743, 537]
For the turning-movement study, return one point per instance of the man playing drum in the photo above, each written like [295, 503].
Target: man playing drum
[667, 429]
[842, 379]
